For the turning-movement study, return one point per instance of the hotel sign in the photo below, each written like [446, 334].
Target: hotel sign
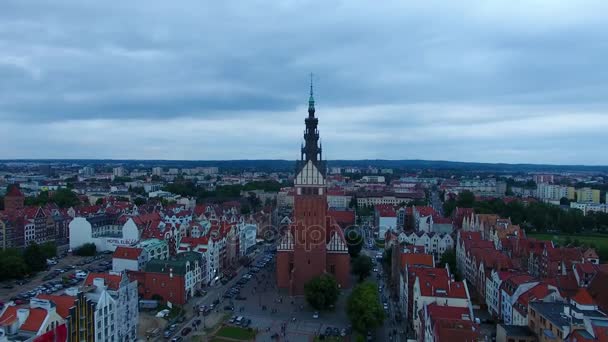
[121, 242]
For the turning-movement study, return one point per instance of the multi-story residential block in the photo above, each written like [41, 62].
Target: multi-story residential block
[554, 192]
[373, 179]
[433, 243]
[119, 171]
[588, 195]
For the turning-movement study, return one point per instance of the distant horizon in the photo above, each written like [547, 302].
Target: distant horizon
[379, 160]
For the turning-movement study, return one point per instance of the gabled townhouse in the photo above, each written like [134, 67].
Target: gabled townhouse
[79, 313]
[423, 218]
[405, 261]
[558, 261]
[493, 291]
[29, 323]
[542, 292]
[487, 261]
[447, 323]
[510, 290]
[434, 243]
[435, 285]
[124, 294]
[584, 273]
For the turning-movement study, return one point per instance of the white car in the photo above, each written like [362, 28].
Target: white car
[315, 315]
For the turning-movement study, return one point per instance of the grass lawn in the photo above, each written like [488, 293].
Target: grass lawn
[236, 333]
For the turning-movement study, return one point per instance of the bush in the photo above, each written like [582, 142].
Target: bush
[88, 249]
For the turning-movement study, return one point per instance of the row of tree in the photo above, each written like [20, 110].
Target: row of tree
[64, 198]
[16, 264]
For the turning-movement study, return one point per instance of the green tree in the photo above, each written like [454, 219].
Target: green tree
[99, 201]
[322, 292]
[65, 198]
[354, 241]
[364, 309]
[139, 201]
[87, 249]
[34, 257]
[449, 257]
[362, 267]
[12, 266]
[49, 249]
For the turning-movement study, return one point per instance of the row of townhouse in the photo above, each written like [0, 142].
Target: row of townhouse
[433, 303]
[22, 225]
[511, 273]
[432, 243]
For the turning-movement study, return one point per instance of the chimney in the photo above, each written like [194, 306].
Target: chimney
[22, 315]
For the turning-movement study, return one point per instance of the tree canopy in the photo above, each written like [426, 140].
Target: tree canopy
[364, 309]
[354, 241]
[362, 267]
[322, 292]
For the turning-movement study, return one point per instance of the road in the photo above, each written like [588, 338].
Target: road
[436, 202]
[385, 333]
[214, 293]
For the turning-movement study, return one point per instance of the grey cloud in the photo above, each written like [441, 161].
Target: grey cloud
[413, 70]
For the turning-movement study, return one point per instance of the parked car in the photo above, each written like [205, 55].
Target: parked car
[186, 331]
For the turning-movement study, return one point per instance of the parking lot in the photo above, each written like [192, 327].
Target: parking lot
[59, 276]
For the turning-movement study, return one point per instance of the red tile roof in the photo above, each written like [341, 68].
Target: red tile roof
[9, 316]
[455, 330]
[63, 303]
[343, 217]
[34, 320]
[435, 282]
[111, 281]
[417, 259]
[446, 312]
[597, 289]
[130, 253]
[385, 210]
[583, 297]
[425, 210]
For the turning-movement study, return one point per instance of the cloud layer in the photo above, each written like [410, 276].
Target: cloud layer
[461, 80]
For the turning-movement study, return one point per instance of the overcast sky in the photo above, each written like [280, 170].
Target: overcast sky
[488, 81]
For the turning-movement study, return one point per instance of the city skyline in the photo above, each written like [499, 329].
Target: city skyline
[464, 82]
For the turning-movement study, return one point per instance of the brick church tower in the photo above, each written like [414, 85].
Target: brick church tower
[314, 244]
[14, 199]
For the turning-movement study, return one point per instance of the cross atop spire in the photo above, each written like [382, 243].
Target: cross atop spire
[311, 100]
